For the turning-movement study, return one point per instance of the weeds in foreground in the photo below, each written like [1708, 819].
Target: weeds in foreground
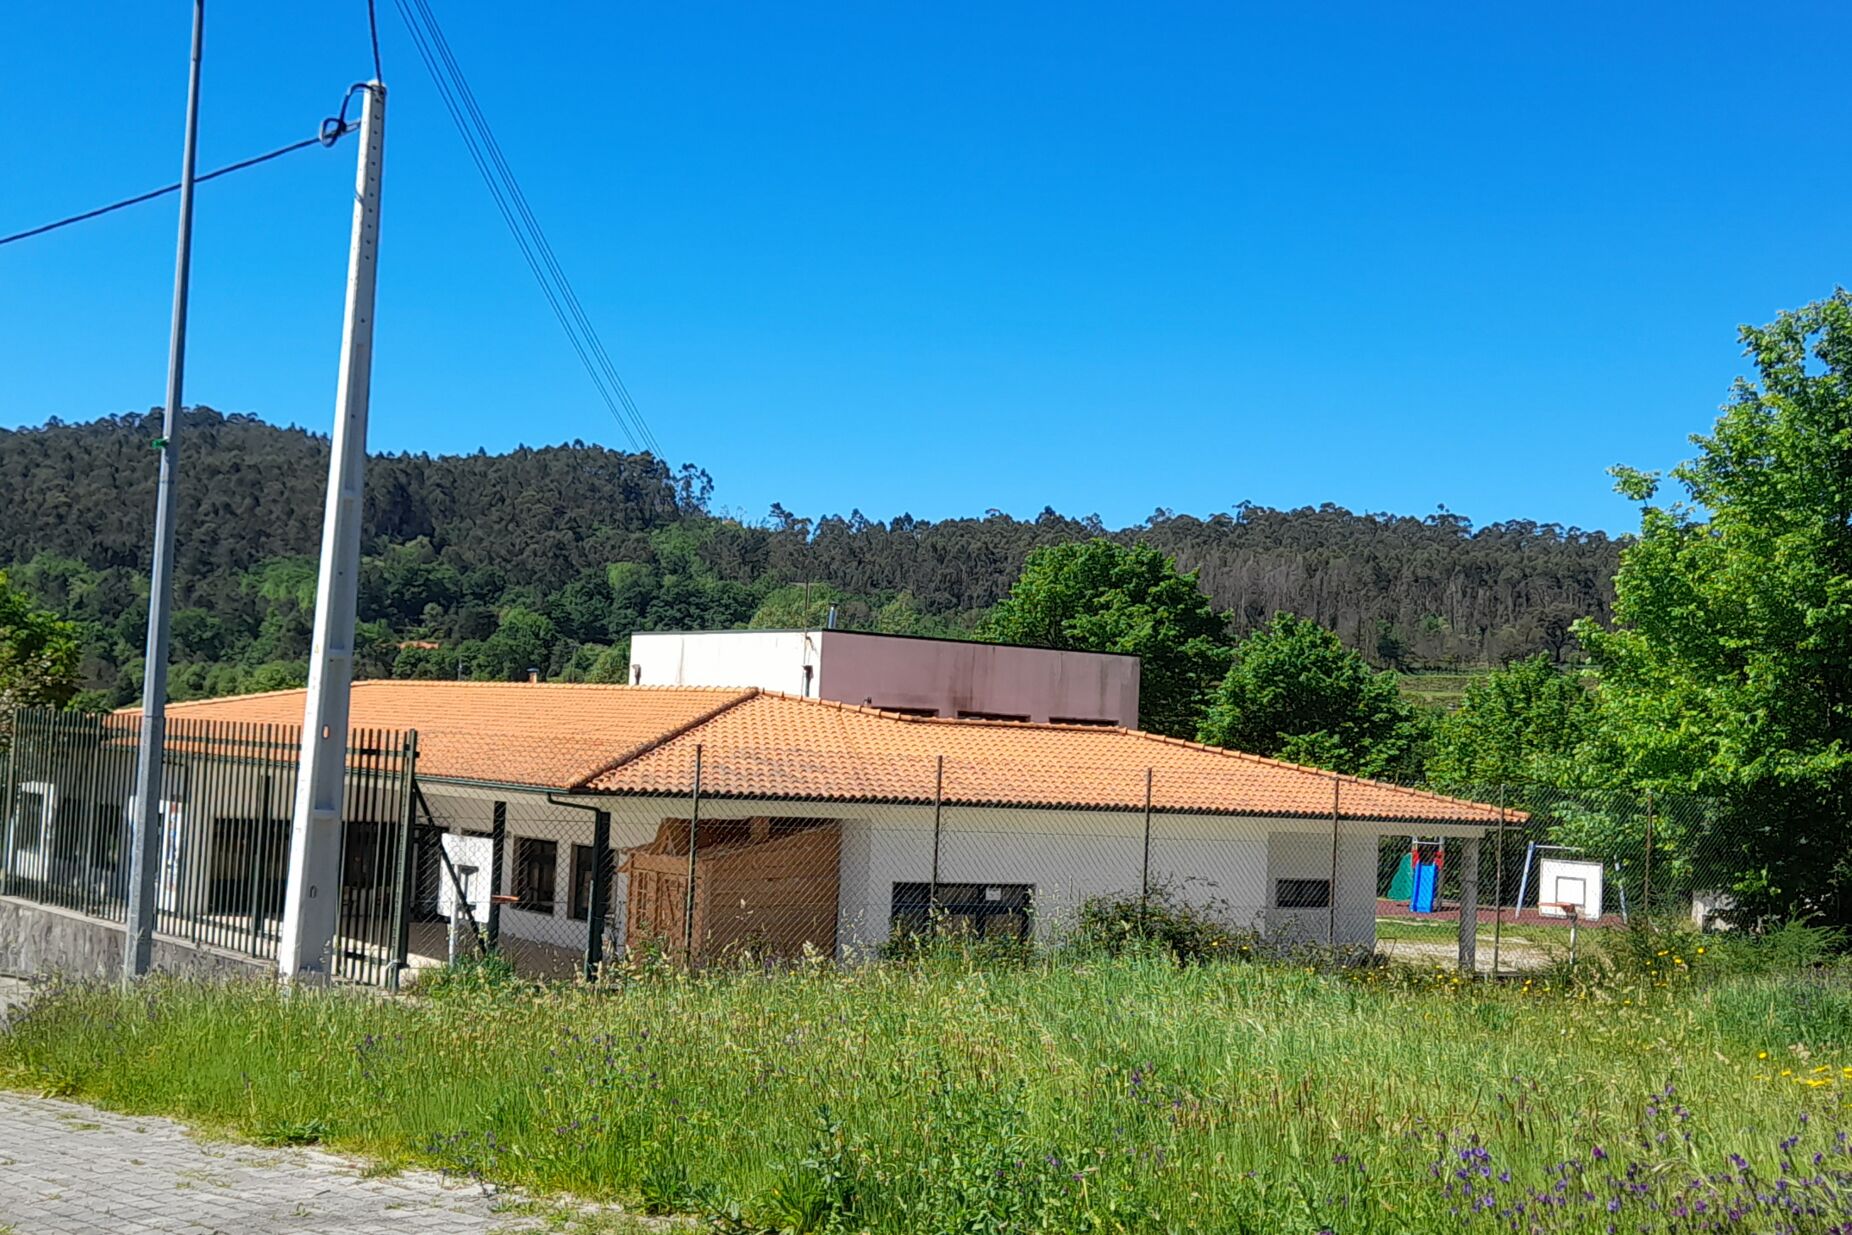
[1122, 1093]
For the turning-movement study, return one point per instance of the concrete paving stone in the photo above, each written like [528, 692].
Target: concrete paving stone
[67, 1169]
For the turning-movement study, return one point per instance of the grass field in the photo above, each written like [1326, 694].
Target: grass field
[953, 1095]
[1439, 689]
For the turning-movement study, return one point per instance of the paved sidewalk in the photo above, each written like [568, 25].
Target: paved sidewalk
[67, 1169]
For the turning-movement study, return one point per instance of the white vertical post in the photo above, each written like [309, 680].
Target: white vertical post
[146, 821]
[311, 909]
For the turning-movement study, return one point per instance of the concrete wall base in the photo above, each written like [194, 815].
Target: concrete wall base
[42, 941]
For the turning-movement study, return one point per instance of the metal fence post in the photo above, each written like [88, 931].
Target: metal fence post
[932, 888]
[1331, 900]
[595, 910]
[6, 800]
[1144, 876]
[406, 870]
[688, 903]
[1646, 880]
[498, 843]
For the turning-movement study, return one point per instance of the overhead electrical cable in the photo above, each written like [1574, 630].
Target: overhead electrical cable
[511, 202]
[542, 245]
[373, 35]
[325, 138]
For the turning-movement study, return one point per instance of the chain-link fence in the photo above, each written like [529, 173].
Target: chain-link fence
[721, 853]
[726, 852]
[1556, 865]
[66, 810]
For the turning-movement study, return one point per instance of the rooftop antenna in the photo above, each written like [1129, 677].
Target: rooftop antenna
[312, 902]
[145, 825]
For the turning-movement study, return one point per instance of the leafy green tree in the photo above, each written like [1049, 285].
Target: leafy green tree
[1296, 692]
[38, 656]
[1526, 724]
[524, 640]
[198, 635]
[594, 662]
[425, 664]
[1728, 671]
[1101, 596]
[798, 606]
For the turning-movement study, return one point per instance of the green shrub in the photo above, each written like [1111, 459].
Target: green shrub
[1160, 921]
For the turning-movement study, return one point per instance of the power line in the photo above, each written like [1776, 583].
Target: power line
[479, 140]
[326, 138]
[545, 249]
[373, 34]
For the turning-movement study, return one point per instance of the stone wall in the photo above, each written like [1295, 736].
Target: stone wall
[38, 941]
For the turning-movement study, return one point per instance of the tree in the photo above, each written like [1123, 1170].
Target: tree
[38, 656]
[1522, 725]
[799, 606]
[605, 543]
[1296, 692]
[1101, 596]
[1728, 671]
[523, 642]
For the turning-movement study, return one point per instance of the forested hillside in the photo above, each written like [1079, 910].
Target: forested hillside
[547, 558]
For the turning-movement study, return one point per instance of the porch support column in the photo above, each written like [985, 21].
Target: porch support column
[498, 844]
[1469, 905]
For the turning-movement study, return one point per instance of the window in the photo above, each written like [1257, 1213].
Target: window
[1302, 893]
[1083, 720]
[985, 909]
[581, 905]
[900, 711]
[29, 819]
[106, 833]
[963, 715]
[536, 865]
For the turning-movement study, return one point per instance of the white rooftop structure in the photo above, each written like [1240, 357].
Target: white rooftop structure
[899, 673]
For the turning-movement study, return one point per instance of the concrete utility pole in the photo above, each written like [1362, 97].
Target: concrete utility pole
[145, 824]
[312, 907]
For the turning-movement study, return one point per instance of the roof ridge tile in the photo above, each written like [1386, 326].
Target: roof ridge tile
[663, 739]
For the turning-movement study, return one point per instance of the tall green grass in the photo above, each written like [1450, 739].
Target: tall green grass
[943, 1095]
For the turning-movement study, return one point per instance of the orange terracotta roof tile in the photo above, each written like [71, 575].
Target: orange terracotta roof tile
[779, 746]
[756, 744]
[549, 736]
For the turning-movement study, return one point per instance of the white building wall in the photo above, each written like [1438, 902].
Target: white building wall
[767, 659]
[944, 676]
[1307, 855]
[1227, 866]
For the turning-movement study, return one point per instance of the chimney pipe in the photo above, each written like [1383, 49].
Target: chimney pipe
[533, 677]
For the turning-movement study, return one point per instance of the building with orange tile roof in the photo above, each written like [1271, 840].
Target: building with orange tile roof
[799, 803]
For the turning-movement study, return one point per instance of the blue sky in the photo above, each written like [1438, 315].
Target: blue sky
[941, 258]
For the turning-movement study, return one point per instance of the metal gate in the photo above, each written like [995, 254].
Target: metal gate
[228, 791]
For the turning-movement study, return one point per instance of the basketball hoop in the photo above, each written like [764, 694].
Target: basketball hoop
[1567, 909]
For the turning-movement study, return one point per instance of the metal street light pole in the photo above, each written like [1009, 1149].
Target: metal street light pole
[145, 846]
[312, 903]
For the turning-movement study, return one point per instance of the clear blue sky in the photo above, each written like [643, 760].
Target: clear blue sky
[939, 258]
